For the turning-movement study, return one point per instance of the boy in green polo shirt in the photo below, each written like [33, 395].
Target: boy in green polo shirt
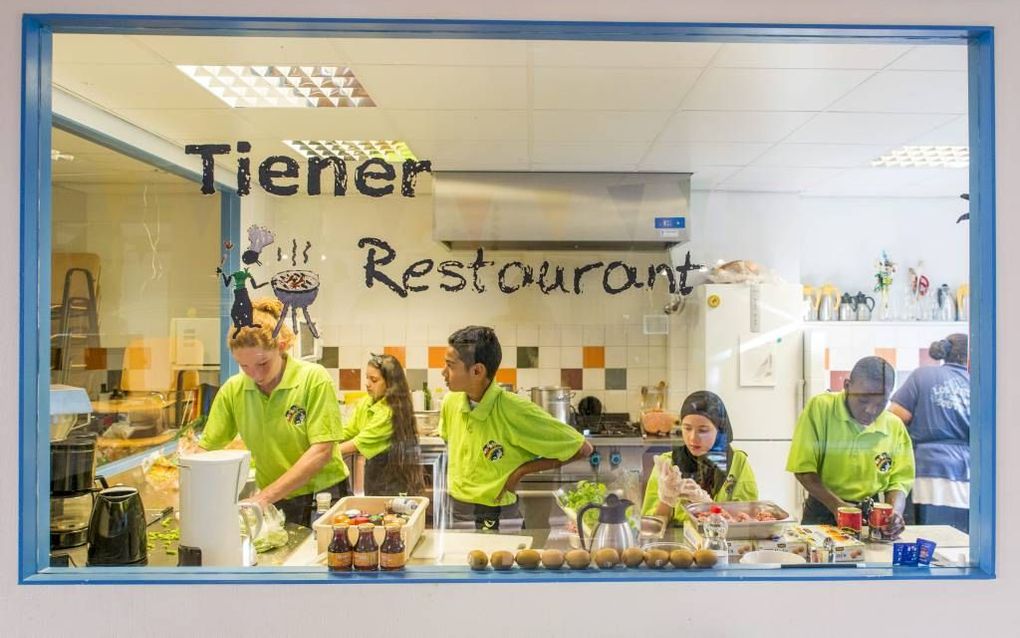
[494, 437]
[847, 448]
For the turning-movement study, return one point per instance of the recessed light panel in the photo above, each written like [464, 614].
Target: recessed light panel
[281, 86]
[353, 150]
[925, 157]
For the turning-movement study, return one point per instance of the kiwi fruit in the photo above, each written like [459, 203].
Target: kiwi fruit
[656, 558]
[502, 560]
[632, 557]
[681, 558]
[552, 559]
[477, 559]
[578, 559]
[528, 559]
[705, 558]
[607, 558]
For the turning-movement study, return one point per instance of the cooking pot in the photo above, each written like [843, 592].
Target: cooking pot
[72, 465]
[555, 400]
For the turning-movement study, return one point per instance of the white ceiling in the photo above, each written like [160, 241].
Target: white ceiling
[805, 118]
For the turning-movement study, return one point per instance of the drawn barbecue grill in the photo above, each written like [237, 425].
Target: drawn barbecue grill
[296, 289]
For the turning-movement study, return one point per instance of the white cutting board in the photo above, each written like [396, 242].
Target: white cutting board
[445, 547]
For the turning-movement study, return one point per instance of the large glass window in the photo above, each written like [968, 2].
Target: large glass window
[632, 304]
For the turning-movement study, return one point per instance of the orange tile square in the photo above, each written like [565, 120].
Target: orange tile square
[95, 358]
[507, 375]
[437, 356]
[594, 356]
[350, 378]
[826, 358]
[889, 354]
[397, 352]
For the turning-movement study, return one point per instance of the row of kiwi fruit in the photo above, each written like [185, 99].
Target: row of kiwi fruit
[605, 558]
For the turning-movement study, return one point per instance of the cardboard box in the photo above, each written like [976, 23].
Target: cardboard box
[410, 532]
[845, 548]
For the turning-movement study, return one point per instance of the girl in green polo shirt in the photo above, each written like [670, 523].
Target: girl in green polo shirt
[382, 430]
[705, 468]
[287, 415]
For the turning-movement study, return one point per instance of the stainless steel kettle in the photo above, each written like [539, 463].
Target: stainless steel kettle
[828, 302]
[946, 305]
[613, 529]
[847, 308]
[864, 306]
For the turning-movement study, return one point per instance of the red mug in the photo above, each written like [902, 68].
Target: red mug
[850, 518]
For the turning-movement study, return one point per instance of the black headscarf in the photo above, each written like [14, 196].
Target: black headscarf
[711, 469]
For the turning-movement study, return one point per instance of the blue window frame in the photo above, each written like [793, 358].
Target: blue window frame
[37, 120]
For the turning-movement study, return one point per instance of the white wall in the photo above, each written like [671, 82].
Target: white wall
[732, 609]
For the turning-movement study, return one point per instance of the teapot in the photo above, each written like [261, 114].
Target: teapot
[864, 305]
[847, 308]
[613, 529]
[828, 303]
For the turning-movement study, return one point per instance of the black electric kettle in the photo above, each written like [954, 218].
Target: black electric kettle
[116, 533]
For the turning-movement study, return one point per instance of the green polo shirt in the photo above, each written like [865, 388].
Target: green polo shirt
[301, 411]
[370, 427]
[740, 485]
[501, 433]
[854, 462]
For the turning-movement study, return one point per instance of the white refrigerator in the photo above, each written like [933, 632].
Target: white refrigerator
[745, 343]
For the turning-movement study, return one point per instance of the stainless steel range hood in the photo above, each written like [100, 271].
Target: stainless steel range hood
[561, 211]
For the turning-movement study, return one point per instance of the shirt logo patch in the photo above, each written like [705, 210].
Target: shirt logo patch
[883, 462]
[296, 415]
[493, 451]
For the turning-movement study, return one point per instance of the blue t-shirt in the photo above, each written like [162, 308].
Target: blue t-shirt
[939, 400]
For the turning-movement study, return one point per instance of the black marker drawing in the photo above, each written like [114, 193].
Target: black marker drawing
[241, 311]
[308, 246]
[296, 289]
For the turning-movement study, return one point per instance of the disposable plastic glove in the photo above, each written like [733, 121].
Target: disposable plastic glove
[692, 492]
[670, 482]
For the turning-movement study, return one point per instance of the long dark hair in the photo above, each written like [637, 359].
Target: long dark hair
[404, 462]
[710, 470]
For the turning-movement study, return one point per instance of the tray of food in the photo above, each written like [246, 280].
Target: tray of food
[747, 519]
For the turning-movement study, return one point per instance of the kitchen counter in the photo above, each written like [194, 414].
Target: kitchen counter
[434, 442]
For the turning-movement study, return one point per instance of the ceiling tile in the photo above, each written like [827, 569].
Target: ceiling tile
[196, 125]
[609, 126]
[821, 155]
[697, 155]
[775, 179]
[611, 89]
[771, 89]
[241, 50]
[934, 57]
[892, 182]
[330, 124]
[707, 177]
[134, 86]
[588, 154]
[588, 54]
[909, 92]
[808, 55]
[417, 51]
[955, 133]
[464, 125]
[867, 128]
[445, 87]
[732, 126]
[81, 48]
[457, 155]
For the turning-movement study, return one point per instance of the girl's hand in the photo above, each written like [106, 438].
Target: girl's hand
[691, 491]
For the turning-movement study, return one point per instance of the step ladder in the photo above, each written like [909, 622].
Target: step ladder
[74, 323]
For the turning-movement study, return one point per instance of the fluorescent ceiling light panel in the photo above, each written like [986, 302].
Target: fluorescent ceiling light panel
[925, 157]
[353, 150]
[269, 86]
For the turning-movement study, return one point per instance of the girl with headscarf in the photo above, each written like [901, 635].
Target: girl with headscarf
[706, 468]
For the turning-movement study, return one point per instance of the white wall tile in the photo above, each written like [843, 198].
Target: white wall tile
[657, 340]
[678, 359]
[594, 335]
[842, 358]
[418, 334]
[438, 333]
[593, 379]
[907, 358]
[657, 356]
[417, 357]
[636, 336]
[548, 334]
[394, 334]
[571, 357]
[677, 337]
[571, 335]
[506, 332]
[372, 333]
[675, 398]
[527, 377]
[637, 356]
[616, 356]
[350, 357]
[350, 335]
[509, 357]
[657, 374]
[549, 376]
[636, 377]
[527, 334]
[549, 357]
[616, 401]
[435, 379]
[616, 335]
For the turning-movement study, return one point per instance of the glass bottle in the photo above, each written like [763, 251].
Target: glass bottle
[428, 395]
[341, 552]
[366, 552]
[391, 554]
